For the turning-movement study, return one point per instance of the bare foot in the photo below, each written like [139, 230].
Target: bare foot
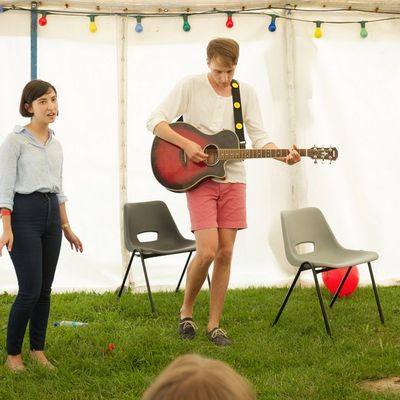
[14, 363]
[41, 359]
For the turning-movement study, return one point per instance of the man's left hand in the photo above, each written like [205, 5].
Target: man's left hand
[293, 157]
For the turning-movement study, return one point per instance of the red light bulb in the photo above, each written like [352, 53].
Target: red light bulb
[43, 20]
[229, 21]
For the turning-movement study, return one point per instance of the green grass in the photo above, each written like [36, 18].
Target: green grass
[293, 360]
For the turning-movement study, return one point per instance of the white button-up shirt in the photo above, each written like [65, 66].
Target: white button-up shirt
[210, 113]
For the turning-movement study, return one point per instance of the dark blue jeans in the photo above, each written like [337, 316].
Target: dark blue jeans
[37, 233]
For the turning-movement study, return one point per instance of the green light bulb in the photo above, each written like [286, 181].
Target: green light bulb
[363, 31]
[186, 25]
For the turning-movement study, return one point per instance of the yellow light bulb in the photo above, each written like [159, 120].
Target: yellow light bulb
[318, 31]
[92, 25]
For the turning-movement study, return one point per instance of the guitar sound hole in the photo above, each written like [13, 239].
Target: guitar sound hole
[212, 155]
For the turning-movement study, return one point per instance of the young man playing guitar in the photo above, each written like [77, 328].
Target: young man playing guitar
[217, 207]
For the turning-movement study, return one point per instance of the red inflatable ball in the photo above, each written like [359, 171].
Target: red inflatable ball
[333, 278]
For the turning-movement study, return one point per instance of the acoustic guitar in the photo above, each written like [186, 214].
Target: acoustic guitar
[177, 173]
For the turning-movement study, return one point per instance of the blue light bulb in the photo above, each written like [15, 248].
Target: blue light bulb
[139, 26]
[272, 26]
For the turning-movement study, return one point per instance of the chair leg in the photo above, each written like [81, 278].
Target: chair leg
[378, 303]
[340, 287]
[126, 274]
[183, 272]
[321, 303]
[287, 296]
[153, 309]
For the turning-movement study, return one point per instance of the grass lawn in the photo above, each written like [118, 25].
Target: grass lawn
[293, 360]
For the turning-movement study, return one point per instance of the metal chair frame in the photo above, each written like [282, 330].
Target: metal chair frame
[153, 216]
[321, 261]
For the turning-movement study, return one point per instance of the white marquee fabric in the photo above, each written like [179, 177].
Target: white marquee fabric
[346, 91]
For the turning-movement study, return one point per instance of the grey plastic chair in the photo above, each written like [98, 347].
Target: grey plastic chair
[153, 217]
[308, 225]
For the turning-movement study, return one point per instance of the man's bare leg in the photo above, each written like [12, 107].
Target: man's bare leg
[206, 248]
[221, 274]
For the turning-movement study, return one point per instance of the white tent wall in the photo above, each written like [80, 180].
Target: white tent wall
[345, 97]
[164, 55]
[83, 69]
[354, 88]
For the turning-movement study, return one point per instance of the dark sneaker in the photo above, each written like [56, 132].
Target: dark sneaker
[187, 328]
[218, 336]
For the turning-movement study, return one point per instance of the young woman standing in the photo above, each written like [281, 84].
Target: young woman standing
[32, 204]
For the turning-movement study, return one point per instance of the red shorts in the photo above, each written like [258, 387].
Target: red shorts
[217, 205]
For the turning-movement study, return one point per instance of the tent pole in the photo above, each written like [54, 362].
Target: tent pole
[122, 115]
[298, 178]
[33, 40]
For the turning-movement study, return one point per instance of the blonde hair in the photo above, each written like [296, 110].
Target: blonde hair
[225, 49]
[193, 377]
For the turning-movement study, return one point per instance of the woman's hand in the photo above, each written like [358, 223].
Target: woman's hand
[6, 239]
[73, 240]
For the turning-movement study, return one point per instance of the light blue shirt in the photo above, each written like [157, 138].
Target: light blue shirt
[28, 166]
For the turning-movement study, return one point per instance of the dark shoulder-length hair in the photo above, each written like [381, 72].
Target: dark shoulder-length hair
[32, 91]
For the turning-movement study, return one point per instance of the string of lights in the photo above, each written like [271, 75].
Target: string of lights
[285, 13]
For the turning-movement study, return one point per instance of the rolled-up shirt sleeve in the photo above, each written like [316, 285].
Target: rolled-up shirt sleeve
[9, 154]
[62, 198]
[173, 106]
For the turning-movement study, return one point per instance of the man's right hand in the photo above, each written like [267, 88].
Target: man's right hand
[194, 152]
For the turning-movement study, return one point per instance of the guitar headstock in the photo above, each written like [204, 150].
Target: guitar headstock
[323, 153]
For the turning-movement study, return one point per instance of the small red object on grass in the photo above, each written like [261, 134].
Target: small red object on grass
[110, 347]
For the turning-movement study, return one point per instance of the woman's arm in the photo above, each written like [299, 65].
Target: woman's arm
[73, 240]
[7, 238]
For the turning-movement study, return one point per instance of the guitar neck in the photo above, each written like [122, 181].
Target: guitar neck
[240, 154]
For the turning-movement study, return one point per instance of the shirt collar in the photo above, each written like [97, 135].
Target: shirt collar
[21, 130]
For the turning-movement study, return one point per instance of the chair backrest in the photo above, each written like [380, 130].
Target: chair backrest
[305, 225]
[147, 217]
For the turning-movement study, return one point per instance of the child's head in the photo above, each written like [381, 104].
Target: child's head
[193, 377]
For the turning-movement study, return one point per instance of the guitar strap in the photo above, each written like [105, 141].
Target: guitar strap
[237, 113]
